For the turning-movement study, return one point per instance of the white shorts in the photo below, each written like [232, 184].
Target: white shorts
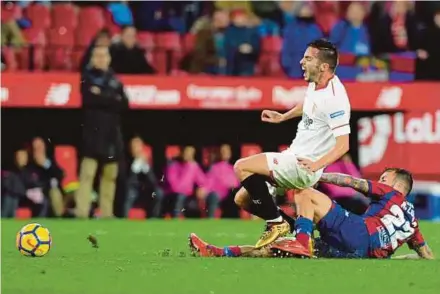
[286, 172]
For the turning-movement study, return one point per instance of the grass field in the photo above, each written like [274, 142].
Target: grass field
[152, 257]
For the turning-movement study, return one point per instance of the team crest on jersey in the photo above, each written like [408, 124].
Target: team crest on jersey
[307, 121]
[275, 161]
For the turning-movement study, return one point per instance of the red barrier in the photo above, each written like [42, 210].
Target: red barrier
[61, 90]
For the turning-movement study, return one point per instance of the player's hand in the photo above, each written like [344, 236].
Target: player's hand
[271, 116]
[308, 164]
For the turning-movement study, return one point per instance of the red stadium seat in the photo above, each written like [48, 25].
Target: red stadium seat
[272, 44]
[250, 149]
[172, 151]
[77, 55]
[189, 41]
[10, 11]
[168, 41]
[91, 18]
[137, 213]
[66, 158]
[23, 213]
[61, 42]
[64, 15]
[10, 59]
[145, 40]
[39, 15]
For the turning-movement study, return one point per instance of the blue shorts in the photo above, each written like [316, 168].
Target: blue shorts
[343, 234]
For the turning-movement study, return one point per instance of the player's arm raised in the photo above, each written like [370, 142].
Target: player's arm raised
[272, 116]
[343, 180]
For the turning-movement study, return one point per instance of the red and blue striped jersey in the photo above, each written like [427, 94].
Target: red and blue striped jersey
[390, 221]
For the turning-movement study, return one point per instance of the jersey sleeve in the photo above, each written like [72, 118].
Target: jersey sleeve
[377, 190]
[338, 117]
[416, 240]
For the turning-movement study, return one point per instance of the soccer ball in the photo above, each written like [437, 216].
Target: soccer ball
[33, 240]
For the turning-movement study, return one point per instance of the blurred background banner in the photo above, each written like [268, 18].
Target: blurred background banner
[188, 92]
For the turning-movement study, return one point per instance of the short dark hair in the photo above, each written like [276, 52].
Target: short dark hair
[328, 53]
[402, 175]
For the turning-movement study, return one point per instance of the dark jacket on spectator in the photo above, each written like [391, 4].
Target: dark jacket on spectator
[17, 181]
[430, 42]
[297, 35]
[103, 100]
[238, 63]
[50, 175]
[129, 61]
[382, 40]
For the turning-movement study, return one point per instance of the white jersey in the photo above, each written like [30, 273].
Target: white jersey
[326, 115]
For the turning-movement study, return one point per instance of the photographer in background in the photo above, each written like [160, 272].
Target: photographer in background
[103, 100]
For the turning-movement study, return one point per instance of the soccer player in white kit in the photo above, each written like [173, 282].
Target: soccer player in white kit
[322, 138]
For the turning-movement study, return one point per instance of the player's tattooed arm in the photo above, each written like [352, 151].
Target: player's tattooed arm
[342, 180]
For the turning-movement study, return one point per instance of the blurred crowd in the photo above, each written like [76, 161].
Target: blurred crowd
[240, 38]
[185, 187]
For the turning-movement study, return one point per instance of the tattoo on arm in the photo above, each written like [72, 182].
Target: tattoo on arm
[342, 180]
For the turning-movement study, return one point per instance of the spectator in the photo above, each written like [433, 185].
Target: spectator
[15, 184]
[127, 57]
[102, 38]
[351, 35]
[346, 197]
[141, 180]
[242, 45]
[222, 180]
[428, 54]
[181, 177]
[209, 55]
[392, 32]
[10, 30]
[103, 101]
[297, 35]
[50, 176]
[121, 13]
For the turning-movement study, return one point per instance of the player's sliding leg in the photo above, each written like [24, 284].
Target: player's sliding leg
[203, 249]
[311, 207]
[253, 173]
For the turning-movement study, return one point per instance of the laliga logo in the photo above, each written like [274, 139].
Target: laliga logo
[379, 129]
[424, 129]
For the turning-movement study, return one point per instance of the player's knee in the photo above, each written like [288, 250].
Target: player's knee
[241, 199]
[240, 169]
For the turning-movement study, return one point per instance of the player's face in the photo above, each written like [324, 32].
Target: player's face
[101, 58]
[388, 178]
[310, 64]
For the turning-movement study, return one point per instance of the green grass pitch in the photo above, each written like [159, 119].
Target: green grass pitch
[152, 257]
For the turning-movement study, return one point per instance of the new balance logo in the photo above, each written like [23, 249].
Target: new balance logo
[58, 94]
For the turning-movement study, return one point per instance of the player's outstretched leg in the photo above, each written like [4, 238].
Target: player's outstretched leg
[253, 173]
[203, 249]
[311, 207]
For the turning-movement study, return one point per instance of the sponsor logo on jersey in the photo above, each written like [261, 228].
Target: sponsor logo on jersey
[337, 113]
